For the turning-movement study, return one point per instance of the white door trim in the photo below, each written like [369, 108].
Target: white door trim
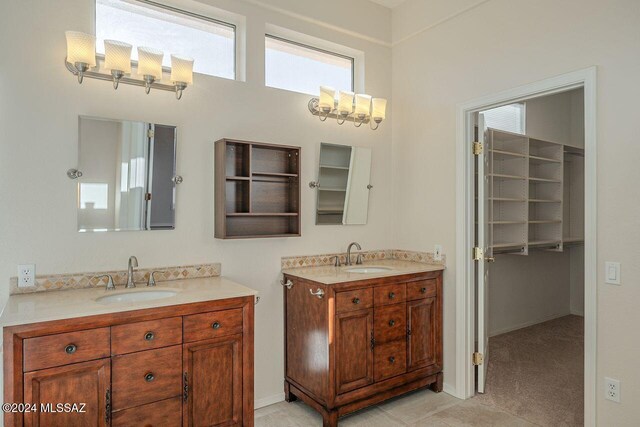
[465, 309]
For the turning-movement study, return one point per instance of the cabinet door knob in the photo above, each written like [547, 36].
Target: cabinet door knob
[149, 336]
[148, 377]
[356, 300]
[216, 325]
[423, 290]
[392, 322]
[70, 349]
[392, 295]
[392, 359]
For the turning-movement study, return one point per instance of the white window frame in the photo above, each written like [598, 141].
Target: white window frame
[321, 45]
[524, 113]
[210, 14]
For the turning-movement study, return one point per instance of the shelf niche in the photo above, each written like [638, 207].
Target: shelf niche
[257, 190]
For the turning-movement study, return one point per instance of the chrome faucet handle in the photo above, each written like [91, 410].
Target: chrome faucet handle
[110, 285]
[152, 280]
[359, 259]
[337, 262]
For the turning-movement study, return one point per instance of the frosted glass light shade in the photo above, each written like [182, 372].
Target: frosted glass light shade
[117, 56]
[363, 104]
[345, 102]
[81, 47]
[327, 97]
[181, 69]
[150, 62]
[379, 108]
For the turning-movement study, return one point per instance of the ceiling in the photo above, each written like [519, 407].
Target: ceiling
[389, 3]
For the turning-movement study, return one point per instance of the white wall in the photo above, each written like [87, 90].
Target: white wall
[39, 106]
[498, 45]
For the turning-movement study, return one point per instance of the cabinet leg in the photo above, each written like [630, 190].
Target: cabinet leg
[437, 386]
[330, 419]
[288, 396]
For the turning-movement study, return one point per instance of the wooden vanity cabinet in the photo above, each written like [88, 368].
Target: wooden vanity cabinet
[181, 365]
[363, 342]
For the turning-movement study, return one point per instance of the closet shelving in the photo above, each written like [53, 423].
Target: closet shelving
[529, 193]
[333, 177]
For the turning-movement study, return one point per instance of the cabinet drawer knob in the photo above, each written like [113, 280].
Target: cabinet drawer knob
[392, 322]
[148, 377]
[216, 325]
[392, 359]
[392, 295]
[70, 349]
[356, 300]
[423, 290]
[149, 336]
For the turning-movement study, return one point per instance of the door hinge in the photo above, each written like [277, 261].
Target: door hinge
[477, 148]
[147, 196]
[478, 254]
[478, 359]
[150, 133]
[185, 393]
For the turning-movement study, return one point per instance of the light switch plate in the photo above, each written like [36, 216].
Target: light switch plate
[437, 253]
[612, 273]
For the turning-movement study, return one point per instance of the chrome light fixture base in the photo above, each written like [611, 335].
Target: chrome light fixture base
[314, 108]
[117, 75]
[81, 68]
[180, 86]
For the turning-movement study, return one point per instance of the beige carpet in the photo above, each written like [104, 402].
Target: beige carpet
[536, 373]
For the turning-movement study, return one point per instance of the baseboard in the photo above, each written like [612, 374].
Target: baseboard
[449, 389]
[526, 324]
[269, 400]
[577, 312]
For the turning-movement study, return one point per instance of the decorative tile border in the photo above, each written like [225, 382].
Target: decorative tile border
[55, 282]
[327, 259]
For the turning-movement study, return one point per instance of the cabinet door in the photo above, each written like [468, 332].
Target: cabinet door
[83, 384]
[213, 382]
[354, 350]
[421, 324]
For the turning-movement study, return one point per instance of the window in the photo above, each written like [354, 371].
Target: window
[209, 42]
[510, 118]
[94, 196]
[301, 68]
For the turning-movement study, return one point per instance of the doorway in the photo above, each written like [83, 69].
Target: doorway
[466, 312]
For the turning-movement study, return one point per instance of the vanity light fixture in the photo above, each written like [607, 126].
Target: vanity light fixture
[181, 73]
[149, 66]
[357, 108]
[116, 65]
[81, 52]
[117, 59]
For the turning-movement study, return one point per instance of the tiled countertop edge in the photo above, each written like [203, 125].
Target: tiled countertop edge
[370, 256]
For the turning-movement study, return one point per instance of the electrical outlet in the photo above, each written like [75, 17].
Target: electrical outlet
[26, 275]
[437, 253]
[612, 389]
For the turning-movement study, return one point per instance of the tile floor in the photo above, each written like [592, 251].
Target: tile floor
[421, 408]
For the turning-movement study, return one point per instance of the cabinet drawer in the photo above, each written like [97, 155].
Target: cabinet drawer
[354, 300]
[146, 377]
[64, 349]
[390, 323]
[390, 360]
[390, 294]
[166, 413]
[421, 289]
[146, 335]
[214, 324]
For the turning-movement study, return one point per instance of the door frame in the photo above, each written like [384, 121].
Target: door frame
[465, 283]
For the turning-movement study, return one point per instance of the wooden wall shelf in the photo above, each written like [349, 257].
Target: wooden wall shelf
[257, 190]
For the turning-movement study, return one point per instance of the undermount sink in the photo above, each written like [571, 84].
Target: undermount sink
[364, 270]
[135, 296]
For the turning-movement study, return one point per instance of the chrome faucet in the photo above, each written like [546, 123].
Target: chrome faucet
[133, 262]
[359, 259]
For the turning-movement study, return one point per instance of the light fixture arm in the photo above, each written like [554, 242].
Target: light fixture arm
[313, 106]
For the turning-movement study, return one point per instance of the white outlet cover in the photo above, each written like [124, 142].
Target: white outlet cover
[26, 275]
[612, 389]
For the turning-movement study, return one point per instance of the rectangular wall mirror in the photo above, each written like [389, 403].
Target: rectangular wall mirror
[343, 184]
[128, 175]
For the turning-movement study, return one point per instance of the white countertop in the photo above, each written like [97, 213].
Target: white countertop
[57, 305]
[330, 275]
